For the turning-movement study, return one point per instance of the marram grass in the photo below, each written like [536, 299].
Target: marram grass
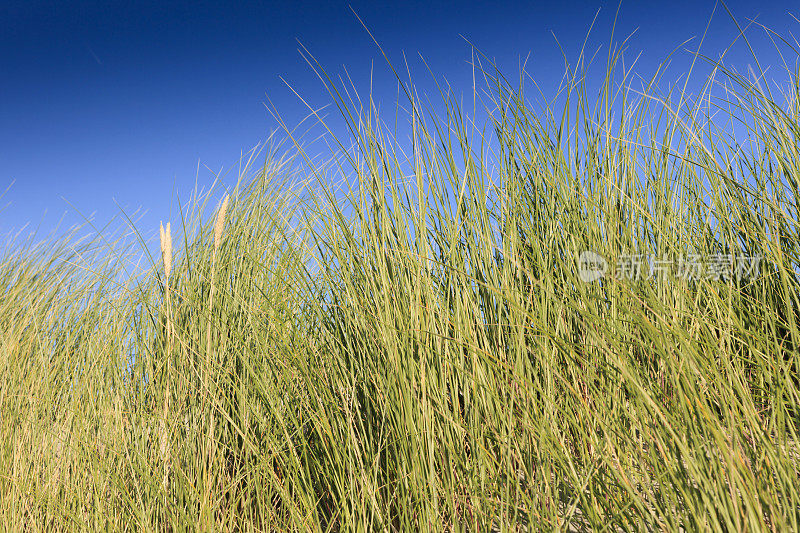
[418, 351]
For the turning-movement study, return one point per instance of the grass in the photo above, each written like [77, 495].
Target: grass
[413, 349]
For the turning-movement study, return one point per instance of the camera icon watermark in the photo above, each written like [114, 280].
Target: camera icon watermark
[591, 266]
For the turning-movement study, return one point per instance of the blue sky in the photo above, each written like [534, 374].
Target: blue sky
[106, 103]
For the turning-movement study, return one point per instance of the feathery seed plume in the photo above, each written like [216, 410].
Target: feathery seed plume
[166, 248]
[220, 224]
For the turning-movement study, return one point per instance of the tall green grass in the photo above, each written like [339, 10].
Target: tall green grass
[397, 338]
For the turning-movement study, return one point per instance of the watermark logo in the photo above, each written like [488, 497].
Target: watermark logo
[593, 266]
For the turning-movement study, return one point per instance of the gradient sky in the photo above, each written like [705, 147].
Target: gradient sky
[104, 102]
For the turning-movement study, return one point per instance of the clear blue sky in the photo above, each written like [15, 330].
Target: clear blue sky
[105, 101]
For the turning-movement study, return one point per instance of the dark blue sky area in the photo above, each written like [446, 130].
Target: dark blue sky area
[104, 101]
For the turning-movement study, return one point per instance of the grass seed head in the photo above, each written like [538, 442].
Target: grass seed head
[220, 224]
[166, 247]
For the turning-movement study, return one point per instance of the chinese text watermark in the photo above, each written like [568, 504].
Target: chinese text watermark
[593, 266]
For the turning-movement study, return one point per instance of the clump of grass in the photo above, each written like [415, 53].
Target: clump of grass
[419, 352]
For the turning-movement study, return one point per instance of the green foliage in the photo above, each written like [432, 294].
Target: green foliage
[418, 352]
